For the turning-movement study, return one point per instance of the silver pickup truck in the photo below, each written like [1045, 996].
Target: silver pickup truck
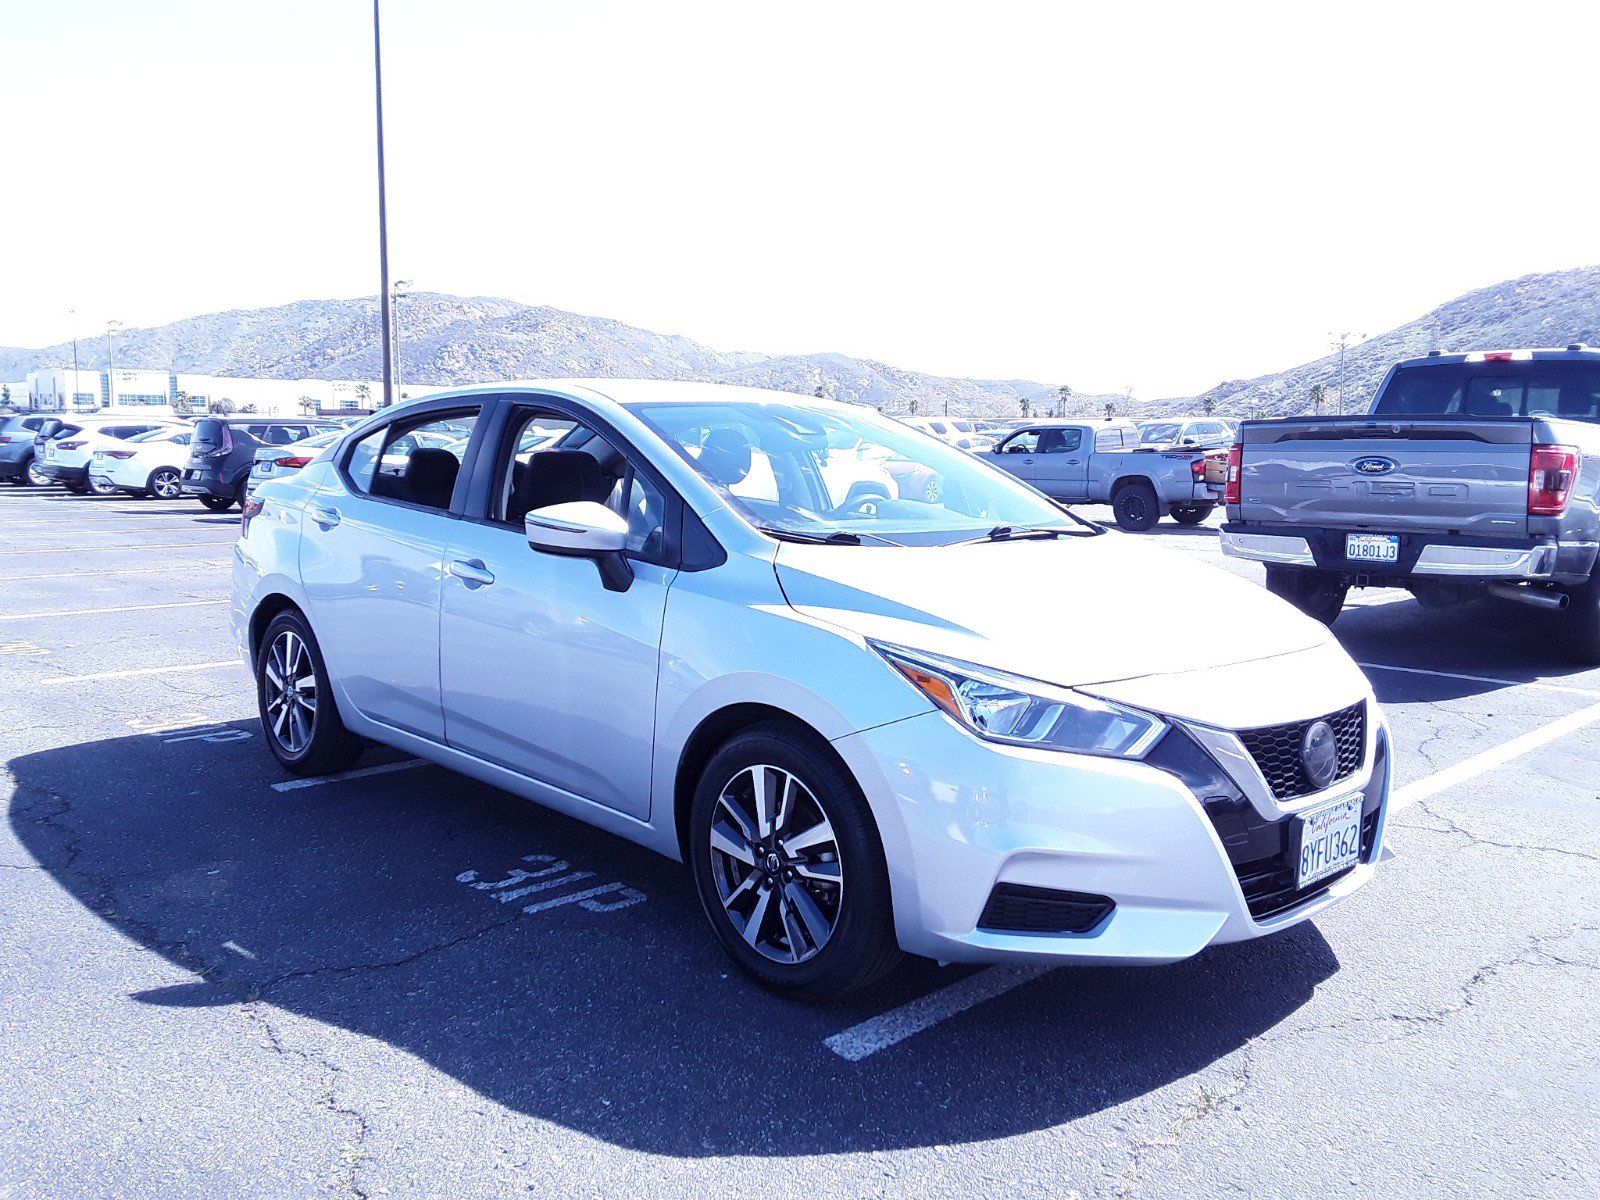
[1472, 474]
[1101, 462]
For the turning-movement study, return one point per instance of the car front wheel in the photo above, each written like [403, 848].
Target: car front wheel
[789, 867]
[298, 711]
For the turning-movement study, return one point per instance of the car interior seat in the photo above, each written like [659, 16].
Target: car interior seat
[430, 478]
[555, 477]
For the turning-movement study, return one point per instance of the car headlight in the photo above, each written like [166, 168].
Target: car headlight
[1025, 712]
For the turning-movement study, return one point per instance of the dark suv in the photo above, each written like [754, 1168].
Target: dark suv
[223, 449]
[17, 433]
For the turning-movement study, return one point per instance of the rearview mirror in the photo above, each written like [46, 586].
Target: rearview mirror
[583, 529]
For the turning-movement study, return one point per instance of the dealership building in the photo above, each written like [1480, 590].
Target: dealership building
[159, 393]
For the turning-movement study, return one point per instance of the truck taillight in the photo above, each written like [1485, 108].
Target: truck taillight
[1197, 467]
[1552, 470]
[1230, 494]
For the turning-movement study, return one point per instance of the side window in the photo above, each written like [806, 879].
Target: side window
[415, 461]
[1025, 441]
[549, 459]
[1108, 439]
[1060, 441]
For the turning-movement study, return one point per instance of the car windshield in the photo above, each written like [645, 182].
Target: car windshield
[815, 470]
[1161, 431]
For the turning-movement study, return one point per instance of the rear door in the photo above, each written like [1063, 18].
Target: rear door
[371, 560]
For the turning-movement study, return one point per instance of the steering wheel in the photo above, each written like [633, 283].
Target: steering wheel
[862, 504]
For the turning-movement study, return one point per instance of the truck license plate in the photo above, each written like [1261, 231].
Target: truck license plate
[1372, 547]
[1330, 841]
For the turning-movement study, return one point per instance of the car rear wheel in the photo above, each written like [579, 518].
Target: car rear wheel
[217, 503]
[298, 711]
[789, 867]
[36, 475]
[163, 483]
[1136, 507]
[1581, 637]
[1318, 594]
[1191, 514]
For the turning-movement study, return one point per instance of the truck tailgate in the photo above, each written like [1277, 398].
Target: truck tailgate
[1397, 474]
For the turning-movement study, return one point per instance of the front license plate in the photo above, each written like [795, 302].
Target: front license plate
[1330, 841]
[1372, 547]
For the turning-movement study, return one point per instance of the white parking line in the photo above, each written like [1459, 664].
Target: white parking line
[1494, 756]
[889, 1028]
[1533, 683]
[209, 666]
[92, 612]
[896, 1025]
[290, 785]
[166, 570]
[124, 549]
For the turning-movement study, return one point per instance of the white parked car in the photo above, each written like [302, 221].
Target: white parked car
[63, 453]
[147, 464]
[840, 711]
[272, 462]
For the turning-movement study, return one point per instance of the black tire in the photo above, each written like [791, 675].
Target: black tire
[217, 503]
[34, 476]
[327, 747]
[77, 489]
[1191, 514]
[107, 490]
[1136, 507]
[1581, 635]
[860, 946]
[163, 483]
[1318, 594]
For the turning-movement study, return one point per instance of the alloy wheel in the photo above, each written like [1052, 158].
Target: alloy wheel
[165, 485]
[775, 861]
[37, 475]
[291, 692]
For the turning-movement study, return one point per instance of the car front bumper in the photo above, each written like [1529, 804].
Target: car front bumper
[959, 816]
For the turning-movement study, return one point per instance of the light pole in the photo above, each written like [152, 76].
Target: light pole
[73, 313]
[383, 209]
[400, 293]
[1344, 339]
[111, 362]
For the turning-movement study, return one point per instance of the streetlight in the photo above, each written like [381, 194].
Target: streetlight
[383, 209]
[399, 294]
[111, 363]
[73, 313]
[1344, 339]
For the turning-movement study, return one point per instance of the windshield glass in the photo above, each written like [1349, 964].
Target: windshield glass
[817, 469]
[1570, 390]
[1160, 431]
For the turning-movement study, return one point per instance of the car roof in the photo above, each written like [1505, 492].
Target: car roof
[632, 392]
[1577, 352]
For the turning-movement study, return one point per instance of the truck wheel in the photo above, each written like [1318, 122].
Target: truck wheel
[1582, 634]
[1316, 593]
[1136, 507]
[1191, 514]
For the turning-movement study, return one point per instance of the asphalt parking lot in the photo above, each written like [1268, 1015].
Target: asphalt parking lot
[217, 980]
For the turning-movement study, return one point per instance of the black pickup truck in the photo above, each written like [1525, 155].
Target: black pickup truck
[1472, 474]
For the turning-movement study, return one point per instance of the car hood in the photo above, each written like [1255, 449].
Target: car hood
[1072, 611]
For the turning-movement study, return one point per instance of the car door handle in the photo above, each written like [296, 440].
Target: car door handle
[326, 517]
[472, 572]
[1072, 462]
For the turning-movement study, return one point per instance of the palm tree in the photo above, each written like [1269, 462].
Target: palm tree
[1111, 409]
[1208, 405]
[1064, 393]
[308, 405]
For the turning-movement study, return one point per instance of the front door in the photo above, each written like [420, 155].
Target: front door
[1060, 464]
[544, 671]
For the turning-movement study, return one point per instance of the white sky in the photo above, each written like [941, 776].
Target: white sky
[1106, 195]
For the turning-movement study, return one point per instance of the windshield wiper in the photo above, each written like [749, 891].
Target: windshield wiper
[1017, 533]
[812, 539]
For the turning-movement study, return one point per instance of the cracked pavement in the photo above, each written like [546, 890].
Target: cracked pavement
[208, 987]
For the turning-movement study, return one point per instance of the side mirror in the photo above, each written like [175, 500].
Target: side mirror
[583, 529]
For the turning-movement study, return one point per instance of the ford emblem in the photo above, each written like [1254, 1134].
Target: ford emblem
[1374, 464]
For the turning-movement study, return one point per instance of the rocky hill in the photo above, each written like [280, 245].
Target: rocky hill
[1554, 309]
[454, 339]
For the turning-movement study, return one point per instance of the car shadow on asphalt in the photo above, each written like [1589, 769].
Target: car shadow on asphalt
[354, 905]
